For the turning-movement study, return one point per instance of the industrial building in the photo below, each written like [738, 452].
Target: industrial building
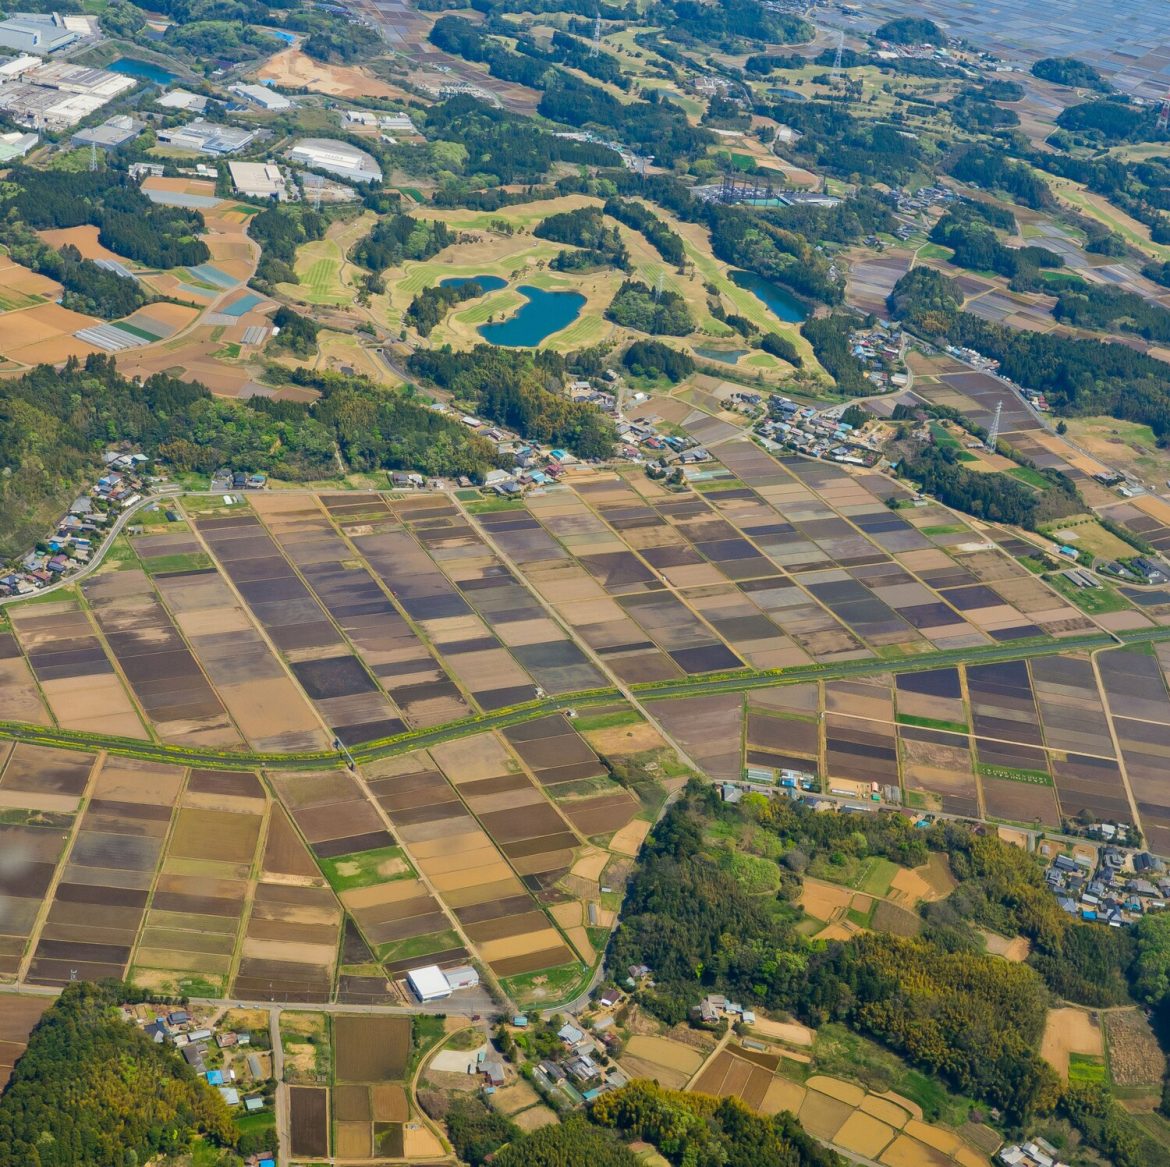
[55, 94]
[16, 145]
[428, 983]
[34, 32]
[111, 134]
[258, 180]
[264, 97]
[336, 157]
[182, 99]
[206, 137]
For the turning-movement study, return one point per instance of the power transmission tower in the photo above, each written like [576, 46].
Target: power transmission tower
[93, 156]
[836, 76]
[595, 48]
[993, 433]
[317, 197]
[1164, 114]
[659, 285]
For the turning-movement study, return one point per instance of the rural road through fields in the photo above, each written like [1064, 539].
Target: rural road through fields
[638, 694]
[283, 1110]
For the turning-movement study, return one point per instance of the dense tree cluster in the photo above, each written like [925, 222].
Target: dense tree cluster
[638, 217]
[829, 337]
[972, 1019]
[911, 30]
[692, 23]
[572, 1143]
[433, 303]
[992, 169]
[1110, 120]
[1072, 72]
[332, 37]
[55, 423]
[766, 247]
[128, 222]
[280, 230]
[92, 1091]
[976, 246]
[700, 1131]
[500, 147]
[660, 313]
[297, 335]
[399, 237]
[585, 228]
[654, 127]
[87, 287]
[843, 145]
[476, 1130]
[521, 390]
[1078, 376]
[652, 358]
[1105, 307]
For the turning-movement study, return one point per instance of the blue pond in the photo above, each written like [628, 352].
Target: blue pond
[791, 94]
[727, 355]
[142, 71]
[488, 283]
[783, 304]
[544, 314]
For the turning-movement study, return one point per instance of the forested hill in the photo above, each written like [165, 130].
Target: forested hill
[54, 425]
[710, 907]
[92, 1090]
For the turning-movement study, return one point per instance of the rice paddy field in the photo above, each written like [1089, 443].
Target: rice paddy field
[295, 620]
[885, 1127]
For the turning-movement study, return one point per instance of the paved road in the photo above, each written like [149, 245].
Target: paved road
[96, 562]
[283, 1114]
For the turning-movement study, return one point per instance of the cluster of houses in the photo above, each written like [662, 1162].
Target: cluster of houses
[194, 1041]
[75, 540]
[577, 1073]
[715, 1007]
[817, 434]
[225, 479]
[882, 350]
[1035, 1152]
[1122, 887]
[921, 200]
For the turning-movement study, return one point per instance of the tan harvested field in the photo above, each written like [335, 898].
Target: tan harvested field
[791, 1032]
[629, 839]
[1070, 1031]
[1135, 1058]
[823, 901]
[293, 69]
[44, 334]
[388, 1103]
[14, 278]
[672, 1061]
[84, 238]
[1015, 949]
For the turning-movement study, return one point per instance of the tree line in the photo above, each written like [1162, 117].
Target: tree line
[522, 390]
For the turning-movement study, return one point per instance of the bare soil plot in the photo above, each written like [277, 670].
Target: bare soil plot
[310, 1121]
[671, 1062]
[18, 1015]
[1070, 1031]
[371, 1049]
[1135, 1058]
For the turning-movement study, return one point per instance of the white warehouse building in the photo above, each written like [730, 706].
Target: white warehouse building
[336, 157]
[428, 983]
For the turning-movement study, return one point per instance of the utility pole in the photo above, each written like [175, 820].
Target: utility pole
[993, 432]
[836, 77]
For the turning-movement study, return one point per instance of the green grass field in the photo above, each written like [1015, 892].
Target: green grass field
[367, 867]
[318, 267]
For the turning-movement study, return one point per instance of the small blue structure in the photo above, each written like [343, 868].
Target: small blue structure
[215, 1077]
[520, 1021]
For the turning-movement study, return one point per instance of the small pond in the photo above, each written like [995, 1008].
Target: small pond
[780, 302]
[544, 314]
[727, 356]
[141, 71]
[488, 283]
